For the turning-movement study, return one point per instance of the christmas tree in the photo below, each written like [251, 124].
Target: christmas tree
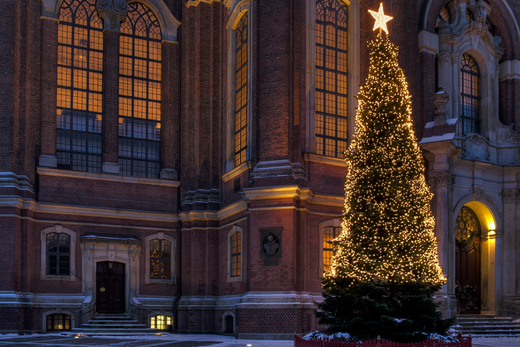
[385, 270]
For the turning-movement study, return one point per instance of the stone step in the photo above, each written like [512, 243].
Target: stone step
[112, 331]
[487, 326]
[109, 321]
[114, 325]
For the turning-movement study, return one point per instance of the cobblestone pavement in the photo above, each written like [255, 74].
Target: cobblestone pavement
[177, 340]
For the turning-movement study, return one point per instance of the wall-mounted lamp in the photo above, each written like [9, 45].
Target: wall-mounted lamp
[491, 228]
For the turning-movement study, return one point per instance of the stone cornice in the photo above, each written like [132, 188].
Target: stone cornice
[195, 3]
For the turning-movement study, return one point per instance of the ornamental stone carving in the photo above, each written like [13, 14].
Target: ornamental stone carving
[477, 193]
[507, 133]
[475, 147]
[444, 58]
[510, 195]
[438, 179]
[440, 99]
[113, 12]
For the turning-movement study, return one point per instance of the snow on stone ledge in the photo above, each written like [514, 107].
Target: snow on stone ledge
[443, 137]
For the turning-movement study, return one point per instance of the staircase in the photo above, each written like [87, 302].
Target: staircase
[113, 325]
[486, 326]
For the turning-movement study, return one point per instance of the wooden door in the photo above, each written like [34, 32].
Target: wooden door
[110, 286]
[468, 255]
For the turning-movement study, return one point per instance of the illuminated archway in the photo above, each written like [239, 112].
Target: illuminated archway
[490, 227]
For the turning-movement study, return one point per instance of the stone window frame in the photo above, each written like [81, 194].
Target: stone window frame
[335, 223]
[161, 236]
[353, 79]
[235, 229]
[238, 10]
[58, 229]
[465, 36]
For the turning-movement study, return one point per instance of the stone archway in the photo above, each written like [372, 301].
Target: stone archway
[475, 234]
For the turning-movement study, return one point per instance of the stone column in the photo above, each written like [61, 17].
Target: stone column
[441, 182]
[113, 12]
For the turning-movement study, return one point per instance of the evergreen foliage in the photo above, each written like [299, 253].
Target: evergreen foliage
[386, 267]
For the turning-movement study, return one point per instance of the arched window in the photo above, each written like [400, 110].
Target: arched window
[241, 102]
[160, 259]
[444, 16]
[236, 254]
[80, 87]
[331, 77]
[58, 254]
[467, 225]
[329, 233]
[469, 94]
[140, 93]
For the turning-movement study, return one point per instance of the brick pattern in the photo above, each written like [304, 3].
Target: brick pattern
[111, 96]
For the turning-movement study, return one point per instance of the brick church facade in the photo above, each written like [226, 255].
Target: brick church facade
[180, 161]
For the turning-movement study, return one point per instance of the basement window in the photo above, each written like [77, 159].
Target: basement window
[58, 322]
[161, 322]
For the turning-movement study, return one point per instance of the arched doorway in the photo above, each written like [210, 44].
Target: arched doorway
[229, 327]
[468, 262]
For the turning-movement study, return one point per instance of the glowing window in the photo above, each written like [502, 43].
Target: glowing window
[57, 322]
[469, 94]
[160, 259]
[331, 77]
[140, 93]
[329, 233]
[80, 87]
[241, 136]
[58, 254]
[161, 322]
[236, 256]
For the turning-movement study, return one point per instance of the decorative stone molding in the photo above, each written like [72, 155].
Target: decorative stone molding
[271, 245]
[428, 42]
[510, 69]
[438, 179]
[440, 99]
[444, 57]
[196, 3]
[510, 195]
[477, 193]
[475, 147]
[113, 13]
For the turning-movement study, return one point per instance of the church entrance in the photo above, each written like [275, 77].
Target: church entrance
[468, 262]
[110, 287]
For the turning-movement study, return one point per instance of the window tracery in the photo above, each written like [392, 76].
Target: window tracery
[331, 76]
[140, 64]
[80, 87]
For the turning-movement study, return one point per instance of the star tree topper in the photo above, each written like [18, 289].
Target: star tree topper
[381, 19]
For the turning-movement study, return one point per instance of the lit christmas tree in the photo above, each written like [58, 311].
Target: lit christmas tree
[385, 270]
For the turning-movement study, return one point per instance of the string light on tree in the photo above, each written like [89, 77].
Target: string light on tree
[387, 243]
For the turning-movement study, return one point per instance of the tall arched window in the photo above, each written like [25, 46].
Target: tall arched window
[331, 77]
[241, 62]
[469, 94]
[329, 233]
[80, 87]
[236, 254]
[140, 93]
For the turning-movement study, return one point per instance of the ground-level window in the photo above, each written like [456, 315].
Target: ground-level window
[57, 322]
[161, 322]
